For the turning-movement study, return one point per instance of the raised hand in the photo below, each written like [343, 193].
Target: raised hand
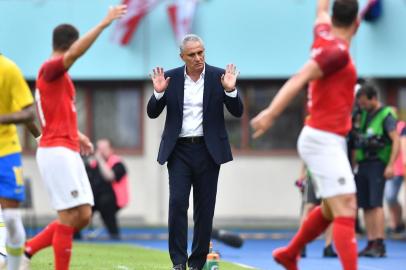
[229, 79]
[261, 123]
[158, 79]
[115, 12]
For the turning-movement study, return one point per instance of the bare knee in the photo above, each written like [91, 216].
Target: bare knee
[343, 205]
[77, 217]
[85, 218]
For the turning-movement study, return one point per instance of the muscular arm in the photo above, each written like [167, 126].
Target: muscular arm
[80, 46]
[289, 90]
[33, 128]
[322, 14]
[25, 115]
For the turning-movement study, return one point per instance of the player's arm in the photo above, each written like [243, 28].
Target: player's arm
[86, 146]
[264, 120]
[24, 115]
[322, 14]
[33, 128]
[80, 46]
[105, 171]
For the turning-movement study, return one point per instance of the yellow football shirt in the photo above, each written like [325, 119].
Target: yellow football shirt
[14, 96]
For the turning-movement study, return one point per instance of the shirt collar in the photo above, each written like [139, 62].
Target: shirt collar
[201, 75]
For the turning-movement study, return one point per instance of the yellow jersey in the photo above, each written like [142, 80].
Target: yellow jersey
[14, 96]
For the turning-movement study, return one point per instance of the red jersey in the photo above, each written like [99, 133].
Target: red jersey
[55, 98]
[331, 98]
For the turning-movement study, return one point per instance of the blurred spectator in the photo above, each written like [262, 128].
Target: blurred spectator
[377, 145]
[394, 184]
[109, 181]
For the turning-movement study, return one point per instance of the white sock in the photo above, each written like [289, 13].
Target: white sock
[15, 237]
[3, 232]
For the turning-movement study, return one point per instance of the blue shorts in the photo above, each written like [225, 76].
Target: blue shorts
[11, 178]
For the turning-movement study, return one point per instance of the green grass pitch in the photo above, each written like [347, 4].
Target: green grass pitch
[113, 257]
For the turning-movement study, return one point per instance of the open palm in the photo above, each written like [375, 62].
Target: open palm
[229, 79]
[158, 80]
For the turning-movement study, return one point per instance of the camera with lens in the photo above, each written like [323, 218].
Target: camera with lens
[369, 142]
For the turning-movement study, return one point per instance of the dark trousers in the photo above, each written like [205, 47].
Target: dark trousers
[106, 205]
[190, 165]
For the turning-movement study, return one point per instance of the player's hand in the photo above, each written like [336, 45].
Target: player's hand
[389, 173]
[98, 156]
[158, 79]
[261, 123]
[86, 146]
[229, 79]
[114, 13]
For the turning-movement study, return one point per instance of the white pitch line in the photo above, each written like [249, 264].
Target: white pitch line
[244, 265]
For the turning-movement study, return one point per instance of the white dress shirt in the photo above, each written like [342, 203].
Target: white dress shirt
[192, 124]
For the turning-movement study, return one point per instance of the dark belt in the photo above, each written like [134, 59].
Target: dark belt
[192, 140]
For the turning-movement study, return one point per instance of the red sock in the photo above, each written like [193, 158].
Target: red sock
[41, 240]
[312, 227]
[345, 242]
[62, 244]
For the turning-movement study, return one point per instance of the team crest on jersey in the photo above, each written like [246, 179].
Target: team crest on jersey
[341, 181]
[74, 193]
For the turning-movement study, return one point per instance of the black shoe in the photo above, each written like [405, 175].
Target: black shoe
[377, 250]
[193, 268]
[328, 252]
[399, 229]
[179, 267]
[303, 252]
[366, 249]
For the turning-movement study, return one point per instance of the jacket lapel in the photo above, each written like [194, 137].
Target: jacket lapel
[208, 78]
[180, 87]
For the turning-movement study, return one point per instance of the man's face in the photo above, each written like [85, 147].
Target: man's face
[367, 104]
[103, 147]
[193, 56]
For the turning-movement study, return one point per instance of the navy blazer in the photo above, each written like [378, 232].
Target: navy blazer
[215, 134]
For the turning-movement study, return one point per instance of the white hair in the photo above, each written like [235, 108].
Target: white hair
[190, 37]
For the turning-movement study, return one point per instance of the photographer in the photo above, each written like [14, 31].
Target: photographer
[377, 145]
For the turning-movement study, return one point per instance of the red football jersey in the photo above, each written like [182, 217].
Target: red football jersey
[331, 98]
[55, 98]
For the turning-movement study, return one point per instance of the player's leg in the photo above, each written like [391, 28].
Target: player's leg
[3, 232]
[65, 178]
[343, 208]
[11, 194]
[15, 236]
[70, 220]
[312, 147]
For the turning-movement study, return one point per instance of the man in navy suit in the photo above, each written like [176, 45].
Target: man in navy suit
[194, 143]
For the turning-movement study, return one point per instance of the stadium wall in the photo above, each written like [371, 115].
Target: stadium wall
[265, 38]
[268, 39]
